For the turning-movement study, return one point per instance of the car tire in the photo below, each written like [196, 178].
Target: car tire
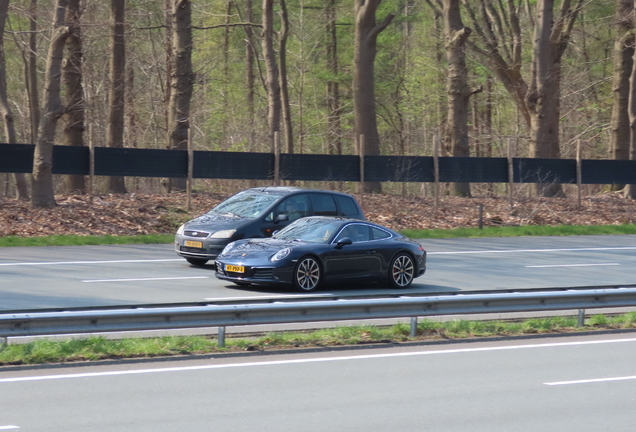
[242, 284]
[401, 271]
[307, 274]
[196, 261]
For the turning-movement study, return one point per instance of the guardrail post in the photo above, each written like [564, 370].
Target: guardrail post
[413, 326]
[581, 321]
[221, 337]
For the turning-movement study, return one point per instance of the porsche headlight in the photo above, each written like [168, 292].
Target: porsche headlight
[280, 254]
[223, 234]
[228, 248]
[181, 229]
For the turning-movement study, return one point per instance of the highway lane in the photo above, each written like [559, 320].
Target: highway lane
[72, 276]
[578, 384]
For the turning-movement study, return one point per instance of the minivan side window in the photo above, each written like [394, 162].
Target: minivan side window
[324, 205]
[347, 206]
[294, 207]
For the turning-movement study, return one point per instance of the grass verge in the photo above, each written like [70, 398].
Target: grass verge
[520, 231]
[503, 231]
[99, 348]
[76, 240]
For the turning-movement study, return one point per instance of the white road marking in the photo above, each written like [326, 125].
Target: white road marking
[88, 262]
[591, 381]
[308, 360]
[572, 265]
[9, 427]
[146, 279]
[532, 250]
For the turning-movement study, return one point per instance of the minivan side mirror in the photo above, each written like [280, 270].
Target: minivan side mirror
[281, 218]
[343, 242]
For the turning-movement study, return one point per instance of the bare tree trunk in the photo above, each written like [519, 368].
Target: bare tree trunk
[72, 75]
[116, 96]
[623, 58]
[537, 101]
[544, 93]
[5, 109]
[334, 133]
[226, 74]
[630, 189]
[182, 80]
[365, 48]
[457, 87]
[284, 90]
[52, 109]
[249, 71]
[272, 81]
[32, 77]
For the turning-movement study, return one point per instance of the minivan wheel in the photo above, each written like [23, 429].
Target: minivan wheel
[401, 271]
[196, 261]
[307, 274]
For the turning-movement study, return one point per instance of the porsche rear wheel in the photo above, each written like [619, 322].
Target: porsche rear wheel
[307, 274]
[401, 271]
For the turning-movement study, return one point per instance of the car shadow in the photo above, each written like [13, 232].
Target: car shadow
[339, 289]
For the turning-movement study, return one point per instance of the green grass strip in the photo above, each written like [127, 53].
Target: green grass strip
[504, 231]
[100, 348]
[520, 231]
[76, 240]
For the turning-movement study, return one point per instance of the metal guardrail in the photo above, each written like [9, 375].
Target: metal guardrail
[282, 312]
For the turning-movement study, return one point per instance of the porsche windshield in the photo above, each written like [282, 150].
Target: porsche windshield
[245, 204]
[311, 230]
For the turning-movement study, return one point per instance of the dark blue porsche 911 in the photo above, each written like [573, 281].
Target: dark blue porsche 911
[318, 249]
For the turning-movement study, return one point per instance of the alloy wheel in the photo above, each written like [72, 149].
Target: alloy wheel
[307, 274]
[402, 271]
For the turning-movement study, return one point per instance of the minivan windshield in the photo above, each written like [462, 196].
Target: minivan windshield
[246, 204]
[308, 229]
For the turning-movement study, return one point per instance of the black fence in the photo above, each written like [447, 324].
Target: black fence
[130, 162]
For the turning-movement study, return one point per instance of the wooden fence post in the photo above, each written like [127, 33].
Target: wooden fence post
[91, 163]
[276, 158]
[436, 171]
[361, 153]
[190, 169]
[511, 173]
[579, 174]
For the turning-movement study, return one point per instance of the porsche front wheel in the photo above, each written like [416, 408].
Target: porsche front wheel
[307, 274]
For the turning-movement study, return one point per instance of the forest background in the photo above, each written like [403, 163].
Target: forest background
[538, 75]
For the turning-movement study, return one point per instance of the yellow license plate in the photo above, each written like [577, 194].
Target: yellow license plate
[195, 244]
[234, 269]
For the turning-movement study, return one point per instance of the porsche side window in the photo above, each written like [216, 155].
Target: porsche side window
[357, 233]
[378, 234]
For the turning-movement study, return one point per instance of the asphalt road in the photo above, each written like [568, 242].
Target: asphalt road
[72, 276]
[564, 384]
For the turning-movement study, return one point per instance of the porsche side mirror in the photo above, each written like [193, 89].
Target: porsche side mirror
[343, 242]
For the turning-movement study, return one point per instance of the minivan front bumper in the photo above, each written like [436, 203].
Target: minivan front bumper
[196, 247]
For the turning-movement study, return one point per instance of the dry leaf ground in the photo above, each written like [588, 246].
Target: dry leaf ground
[133, 214]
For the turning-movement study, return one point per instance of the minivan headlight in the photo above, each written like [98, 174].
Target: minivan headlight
[181, 229]
[281, 254]
[223, 234]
